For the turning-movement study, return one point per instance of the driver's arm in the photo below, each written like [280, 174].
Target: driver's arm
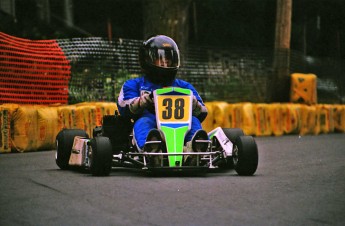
[199, 108]
[139, 104]
[130, 102]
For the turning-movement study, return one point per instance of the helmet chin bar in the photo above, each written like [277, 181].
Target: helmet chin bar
[160, 80]
[162, 76]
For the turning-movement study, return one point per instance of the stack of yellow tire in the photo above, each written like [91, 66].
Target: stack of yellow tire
[301, 116]
[34, 127]
[276, 119]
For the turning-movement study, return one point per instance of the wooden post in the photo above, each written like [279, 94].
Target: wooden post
[280, 86]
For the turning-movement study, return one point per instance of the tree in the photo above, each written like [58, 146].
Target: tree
[280, 87]
[167, 17]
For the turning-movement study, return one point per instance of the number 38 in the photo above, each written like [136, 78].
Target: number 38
[173, 109]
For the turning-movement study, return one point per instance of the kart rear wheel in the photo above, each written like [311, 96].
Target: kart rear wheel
[100, 155]
[232, 134]
[64, 143]
[245, 156]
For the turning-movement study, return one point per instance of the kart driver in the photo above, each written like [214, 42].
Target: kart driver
[159, 59]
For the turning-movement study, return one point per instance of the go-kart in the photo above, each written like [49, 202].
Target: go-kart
[112, 144]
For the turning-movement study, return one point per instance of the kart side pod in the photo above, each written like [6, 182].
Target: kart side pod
[218, 135]
[79, 153]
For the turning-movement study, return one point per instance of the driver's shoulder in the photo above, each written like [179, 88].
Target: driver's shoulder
[133, 83]
[183, 84]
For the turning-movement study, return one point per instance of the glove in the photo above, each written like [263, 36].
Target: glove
[196, 106]
[145, 101]
[141, 103]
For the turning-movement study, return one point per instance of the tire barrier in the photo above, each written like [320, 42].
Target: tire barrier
[5, 136]
[303, 88]
[208, 123]
[6, 112]
[27, 128]
[220, 118]
[339, 118]
[86, 117]
[291, 118]
[235, 115]
[276, 114]
[47, 127]
[24, 129]
[34, 127]
[262, 118]
[326, 118]
[309, 120]
[276, 119]
[67, 117]
[248, 120]
[103, 108]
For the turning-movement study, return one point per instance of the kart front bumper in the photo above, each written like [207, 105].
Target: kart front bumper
[204, 160]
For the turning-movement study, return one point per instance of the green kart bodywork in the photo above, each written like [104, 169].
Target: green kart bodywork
[179, 123]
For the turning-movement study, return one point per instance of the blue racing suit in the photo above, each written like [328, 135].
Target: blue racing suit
[146, 120]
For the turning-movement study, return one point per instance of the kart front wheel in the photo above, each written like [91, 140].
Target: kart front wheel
[245, 156]
[233, 133]
[100, 155]
[64, 143]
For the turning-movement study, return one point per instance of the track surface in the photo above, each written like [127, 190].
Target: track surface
[299, 181]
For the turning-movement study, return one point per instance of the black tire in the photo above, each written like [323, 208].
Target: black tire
[245, 156]
[232, 134]
[97, 131]
[64, 143]
[100, 156]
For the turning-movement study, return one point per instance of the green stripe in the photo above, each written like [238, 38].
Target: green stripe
[171, 89]
[164, 90]
[181, 90]
[175, 142]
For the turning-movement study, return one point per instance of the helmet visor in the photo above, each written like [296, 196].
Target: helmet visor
[164, 58]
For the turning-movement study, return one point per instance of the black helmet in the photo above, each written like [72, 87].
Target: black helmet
[159, 58]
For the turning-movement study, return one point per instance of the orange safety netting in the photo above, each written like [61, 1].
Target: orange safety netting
[32, 71]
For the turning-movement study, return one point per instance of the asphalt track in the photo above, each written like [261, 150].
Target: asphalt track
[299, 181]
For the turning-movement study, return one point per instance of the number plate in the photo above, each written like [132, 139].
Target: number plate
[173, 108]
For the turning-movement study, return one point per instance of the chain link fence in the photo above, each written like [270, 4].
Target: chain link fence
[99, 67]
